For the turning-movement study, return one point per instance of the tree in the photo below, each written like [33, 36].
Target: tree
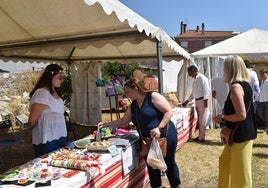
[125, 70]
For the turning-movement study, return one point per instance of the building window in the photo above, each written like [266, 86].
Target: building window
[184, 44]
[208, 43]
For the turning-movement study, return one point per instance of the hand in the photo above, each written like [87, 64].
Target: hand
[155, 133]
[217, 119]
[206, 103]
[184, 103]
[214, 94]
[100, 124]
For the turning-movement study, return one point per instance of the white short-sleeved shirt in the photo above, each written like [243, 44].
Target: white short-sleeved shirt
[51, 124]
[254, 84]
[264, 91]
[200, 87]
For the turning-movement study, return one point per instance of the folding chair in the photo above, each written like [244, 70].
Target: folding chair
[9, 139]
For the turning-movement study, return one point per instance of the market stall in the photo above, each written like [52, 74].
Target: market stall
[104, 165]
[84, 164]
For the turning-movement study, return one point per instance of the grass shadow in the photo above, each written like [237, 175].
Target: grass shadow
[208, 143]
[212, 143]
[261, 155]
[260, 145]
[260, 131]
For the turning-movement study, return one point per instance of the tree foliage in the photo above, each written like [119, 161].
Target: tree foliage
[125, 70]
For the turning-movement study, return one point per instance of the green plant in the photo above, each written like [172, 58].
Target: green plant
[246, 58]
[125, 70]
[66, 88]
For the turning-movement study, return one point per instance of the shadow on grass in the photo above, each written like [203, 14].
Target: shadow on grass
[261, 155]
[260, 130]
[208, 143]
[260, 145]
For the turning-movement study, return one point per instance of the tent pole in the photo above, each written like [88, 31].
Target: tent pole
[159, 66]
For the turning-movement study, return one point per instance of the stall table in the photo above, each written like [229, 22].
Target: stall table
[185, 120]
[114, 174]
[114, 177]
[111, 174]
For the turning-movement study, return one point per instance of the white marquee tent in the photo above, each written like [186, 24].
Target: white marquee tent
[80, 33]
[252, 44]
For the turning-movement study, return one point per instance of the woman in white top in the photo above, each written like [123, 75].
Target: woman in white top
[47, 112]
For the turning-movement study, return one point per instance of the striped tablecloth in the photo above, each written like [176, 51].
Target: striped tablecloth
[114, 177]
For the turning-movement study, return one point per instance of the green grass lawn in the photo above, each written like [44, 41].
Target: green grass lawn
[198, 163]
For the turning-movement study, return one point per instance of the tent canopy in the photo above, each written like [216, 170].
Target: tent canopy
[66, 30]
[78, 32]
[252, 43]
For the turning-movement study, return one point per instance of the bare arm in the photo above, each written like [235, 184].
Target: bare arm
[120, 122]
[35, 113]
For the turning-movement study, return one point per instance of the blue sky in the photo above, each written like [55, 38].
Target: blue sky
[218, 15]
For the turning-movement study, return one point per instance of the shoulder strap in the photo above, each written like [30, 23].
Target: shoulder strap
[137, 121]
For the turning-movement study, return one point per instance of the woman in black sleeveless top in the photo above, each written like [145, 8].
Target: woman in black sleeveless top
[235, 160]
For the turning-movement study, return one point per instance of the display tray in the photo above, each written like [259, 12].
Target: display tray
[99, 146]
[83, 143]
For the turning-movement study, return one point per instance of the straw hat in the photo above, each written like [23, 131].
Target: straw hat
[138, 75]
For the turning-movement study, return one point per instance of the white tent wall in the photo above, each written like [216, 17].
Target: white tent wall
[184, 84]
[170, 75]
[86, 100]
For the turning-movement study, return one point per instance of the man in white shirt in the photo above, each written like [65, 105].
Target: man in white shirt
[254, 83]
[200, 93]
[263, 98]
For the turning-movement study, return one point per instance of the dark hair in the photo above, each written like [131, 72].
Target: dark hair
[192, 68]
[247, 63]
[46, 79]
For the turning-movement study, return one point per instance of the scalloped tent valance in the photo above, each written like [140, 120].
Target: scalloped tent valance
[82, 31]
[68, 31]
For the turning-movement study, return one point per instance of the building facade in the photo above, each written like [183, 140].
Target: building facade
[194, 40]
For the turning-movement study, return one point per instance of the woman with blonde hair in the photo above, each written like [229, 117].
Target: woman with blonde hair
[151, 112]
[235, 160]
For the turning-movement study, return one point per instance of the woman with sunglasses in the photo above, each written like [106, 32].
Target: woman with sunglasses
[47, 112]
[151, 112]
